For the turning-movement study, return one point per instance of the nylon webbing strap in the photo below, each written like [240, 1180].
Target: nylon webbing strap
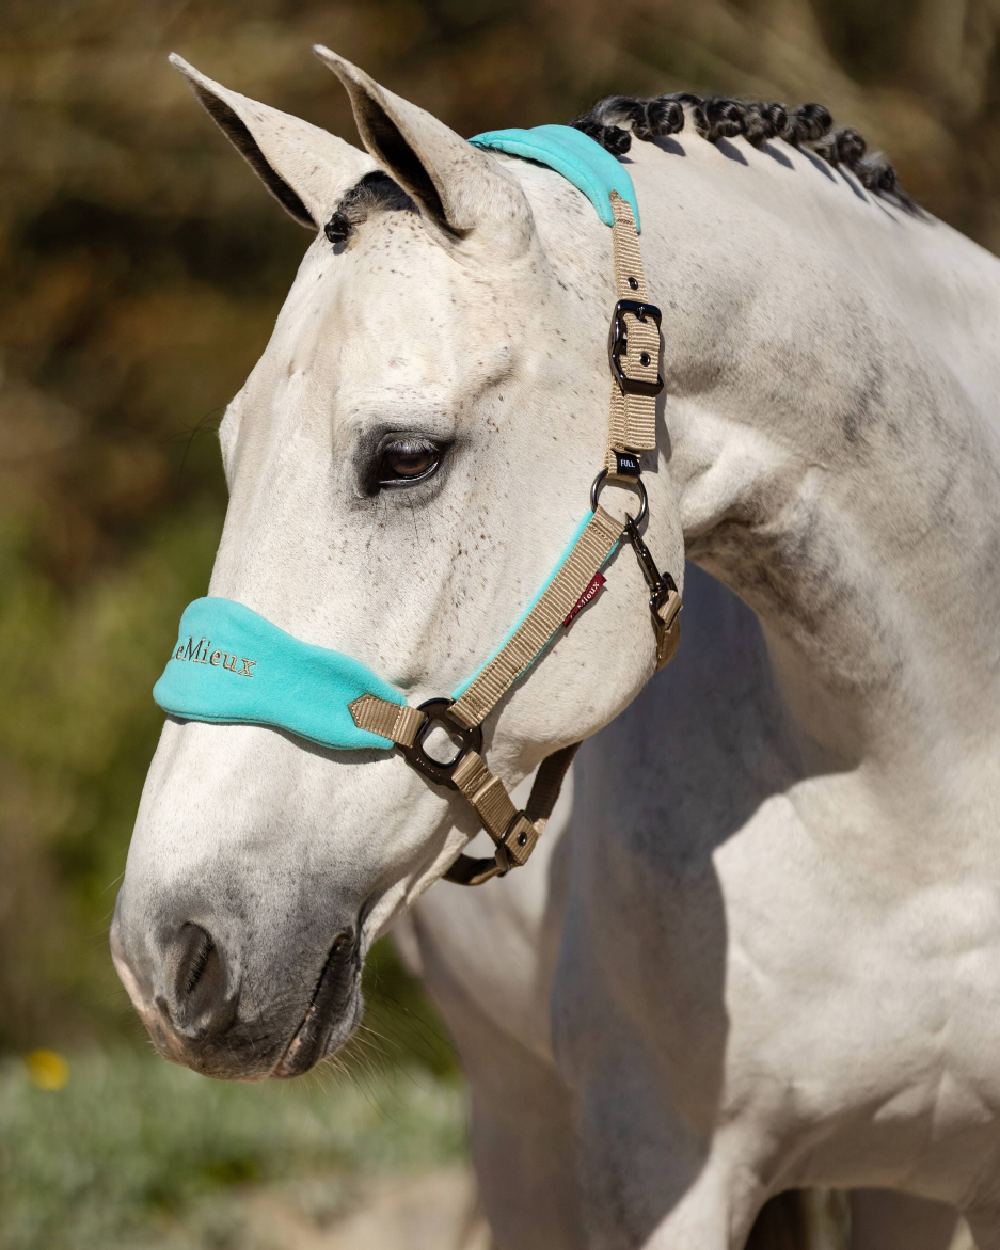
[632, 418]
[396, 721]
[500, 818]
[472, 870]
[668, 629]
[548, 782]
[400, 723]
[556, 603]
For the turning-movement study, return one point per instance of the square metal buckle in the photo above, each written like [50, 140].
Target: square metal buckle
[442, 772]
[618, 345]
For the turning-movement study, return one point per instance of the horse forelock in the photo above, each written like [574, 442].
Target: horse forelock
[376, 191]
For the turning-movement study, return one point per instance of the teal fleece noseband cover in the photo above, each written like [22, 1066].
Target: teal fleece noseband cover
[231, 665]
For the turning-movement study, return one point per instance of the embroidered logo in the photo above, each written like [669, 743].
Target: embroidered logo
[201, 652]
[594, 588]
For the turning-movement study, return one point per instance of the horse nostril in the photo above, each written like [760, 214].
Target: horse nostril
[194, 963]
[196, 1001]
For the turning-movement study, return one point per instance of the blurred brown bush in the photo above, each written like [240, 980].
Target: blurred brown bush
[142, 270]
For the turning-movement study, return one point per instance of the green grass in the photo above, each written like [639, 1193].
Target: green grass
[133, 1152]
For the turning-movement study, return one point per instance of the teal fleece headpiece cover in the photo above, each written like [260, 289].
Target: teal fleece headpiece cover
[580, 159]
[231, 665]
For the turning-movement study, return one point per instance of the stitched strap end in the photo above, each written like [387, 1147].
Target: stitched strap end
[396, 721]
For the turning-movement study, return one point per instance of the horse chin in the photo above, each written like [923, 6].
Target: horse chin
[263, 1043]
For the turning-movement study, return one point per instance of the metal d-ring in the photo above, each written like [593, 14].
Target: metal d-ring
[636, 483]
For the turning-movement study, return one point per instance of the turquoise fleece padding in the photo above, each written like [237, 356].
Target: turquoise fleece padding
[232, 665]
[461, 688]
[573, 154]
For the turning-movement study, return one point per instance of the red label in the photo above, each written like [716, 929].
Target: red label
[594, 588]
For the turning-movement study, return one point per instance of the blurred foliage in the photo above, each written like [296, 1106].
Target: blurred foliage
[135, 1154]
[143, 268]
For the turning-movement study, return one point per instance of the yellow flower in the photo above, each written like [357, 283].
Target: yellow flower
[47, 1069]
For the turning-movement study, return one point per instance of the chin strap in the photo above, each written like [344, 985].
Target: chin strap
[634, 345]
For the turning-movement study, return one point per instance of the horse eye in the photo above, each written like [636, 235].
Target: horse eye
[403, 460]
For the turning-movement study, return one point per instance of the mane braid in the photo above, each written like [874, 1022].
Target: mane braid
[617, 119]
[614, 121]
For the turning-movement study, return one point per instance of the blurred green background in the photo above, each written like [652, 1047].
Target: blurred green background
[142, 271]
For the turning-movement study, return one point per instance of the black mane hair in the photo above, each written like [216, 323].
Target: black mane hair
[614, 121]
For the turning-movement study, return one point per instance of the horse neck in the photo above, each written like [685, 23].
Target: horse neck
[832, 424]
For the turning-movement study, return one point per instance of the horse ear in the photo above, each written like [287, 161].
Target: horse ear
[460, 190]
[306, 169]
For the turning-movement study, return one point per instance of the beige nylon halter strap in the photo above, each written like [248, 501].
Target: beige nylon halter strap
[634, 347]
[589, 553]
[633, 355]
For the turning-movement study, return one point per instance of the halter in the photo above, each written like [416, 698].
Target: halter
[231, 665]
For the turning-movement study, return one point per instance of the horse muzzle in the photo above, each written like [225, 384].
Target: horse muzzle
[193, 992]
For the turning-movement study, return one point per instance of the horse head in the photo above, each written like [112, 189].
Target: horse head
[405, 463]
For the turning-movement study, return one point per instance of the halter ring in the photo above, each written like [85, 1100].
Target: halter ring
[636, 483]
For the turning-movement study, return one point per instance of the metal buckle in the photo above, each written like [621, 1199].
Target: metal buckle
[438, 712]
[618, 345]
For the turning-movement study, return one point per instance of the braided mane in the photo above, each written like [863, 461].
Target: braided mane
[617, 119]
[614, 121]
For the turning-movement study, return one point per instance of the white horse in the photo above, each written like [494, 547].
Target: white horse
[488, 960]
[776, 979]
